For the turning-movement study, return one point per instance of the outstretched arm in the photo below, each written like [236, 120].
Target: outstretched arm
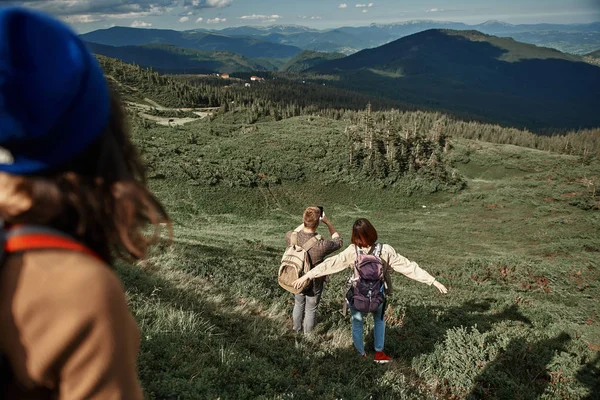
[440, 287]
[411, 269]
[330, 266]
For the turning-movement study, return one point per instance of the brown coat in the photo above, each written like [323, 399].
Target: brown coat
[66, 330]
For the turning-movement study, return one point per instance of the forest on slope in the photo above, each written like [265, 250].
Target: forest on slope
[281, 98]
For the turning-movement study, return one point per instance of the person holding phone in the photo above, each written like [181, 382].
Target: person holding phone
[306, 303]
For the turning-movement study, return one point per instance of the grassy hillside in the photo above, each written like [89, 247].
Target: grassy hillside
[469, 72]
[513, 51]
[518, 249]
[167, 58]
[568, 42]
[593, 58]
[308, 59]
[595, 54]
[197, 40]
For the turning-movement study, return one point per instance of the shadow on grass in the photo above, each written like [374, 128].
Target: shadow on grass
[520, 371]
[424, 326]
[589, 375]
[239, 352]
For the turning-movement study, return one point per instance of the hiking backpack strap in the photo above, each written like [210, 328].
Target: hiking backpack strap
[376, 249]
[294, 238]
[21, 238]
[355, 272]
[309, 244]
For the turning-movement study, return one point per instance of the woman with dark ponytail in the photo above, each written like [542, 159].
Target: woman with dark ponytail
[73, 199]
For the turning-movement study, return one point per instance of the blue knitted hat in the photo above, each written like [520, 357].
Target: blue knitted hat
[54, 99]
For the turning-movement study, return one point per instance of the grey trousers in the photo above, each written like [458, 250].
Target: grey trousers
[305, 307]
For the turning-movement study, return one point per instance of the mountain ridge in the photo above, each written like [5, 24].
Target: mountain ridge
[572, 38]
[167, 58]
[468, 71]
[248, 47]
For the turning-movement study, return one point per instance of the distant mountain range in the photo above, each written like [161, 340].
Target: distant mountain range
[469, 72]
[465, 72]
[167, 58]
[286, 41]
[573, 38]
[195, 40]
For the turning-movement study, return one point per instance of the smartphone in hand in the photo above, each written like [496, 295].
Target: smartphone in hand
[322, 211]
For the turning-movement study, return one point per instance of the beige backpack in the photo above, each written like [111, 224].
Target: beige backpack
[295, 263]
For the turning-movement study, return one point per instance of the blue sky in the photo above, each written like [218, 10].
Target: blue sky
[87, 15]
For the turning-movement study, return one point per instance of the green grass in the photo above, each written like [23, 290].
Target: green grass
[518, 249]
[514, 50]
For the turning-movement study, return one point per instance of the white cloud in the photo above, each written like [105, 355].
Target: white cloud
[310, 17]
[365, 10]
[360, 5]
[260, 16]
[216, 20]
[218, 3]
[434, 10]
[84, 11]
[140, 24]
[343, 5]
[199, 20]
[82, 19]
[371, 4]
[184, 19]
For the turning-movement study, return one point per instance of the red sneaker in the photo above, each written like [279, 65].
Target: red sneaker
[382, 358]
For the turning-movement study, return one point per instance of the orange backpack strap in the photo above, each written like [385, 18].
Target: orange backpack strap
[20, 238]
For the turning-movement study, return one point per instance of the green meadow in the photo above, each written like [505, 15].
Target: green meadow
[517, 243]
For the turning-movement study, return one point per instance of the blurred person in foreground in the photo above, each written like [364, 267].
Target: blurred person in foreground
[70, 174]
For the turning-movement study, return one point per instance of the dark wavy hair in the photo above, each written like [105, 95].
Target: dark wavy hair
[100, 197]
[364, 233]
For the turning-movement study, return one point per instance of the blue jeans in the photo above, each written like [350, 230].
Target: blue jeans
[357, 329]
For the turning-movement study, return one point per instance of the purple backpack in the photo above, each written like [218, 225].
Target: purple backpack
[366, 291]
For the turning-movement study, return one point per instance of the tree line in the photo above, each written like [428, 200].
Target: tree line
[280, 98]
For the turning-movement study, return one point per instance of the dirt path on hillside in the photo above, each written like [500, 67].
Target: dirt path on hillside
[166, 121]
